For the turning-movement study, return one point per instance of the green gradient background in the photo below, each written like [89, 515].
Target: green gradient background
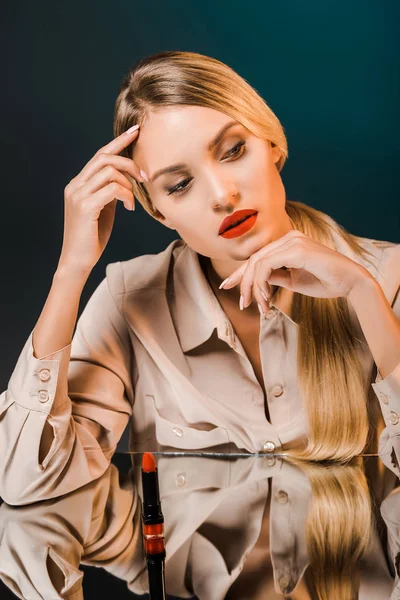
[329, 70]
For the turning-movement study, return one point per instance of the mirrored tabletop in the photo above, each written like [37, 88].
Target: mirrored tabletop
[237, 526]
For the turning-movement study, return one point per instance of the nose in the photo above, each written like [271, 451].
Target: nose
[225, 197]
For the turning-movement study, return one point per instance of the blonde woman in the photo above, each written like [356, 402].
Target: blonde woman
[299, 352]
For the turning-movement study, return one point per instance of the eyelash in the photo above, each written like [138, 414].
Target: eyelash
[175, 190]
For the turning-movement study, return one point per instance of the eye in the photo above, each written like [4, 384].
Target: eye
[177, 189]
[237, 147]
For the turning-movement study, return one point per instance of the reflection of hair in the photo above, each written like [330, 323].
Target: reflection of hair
[330, 374]
[338, 530]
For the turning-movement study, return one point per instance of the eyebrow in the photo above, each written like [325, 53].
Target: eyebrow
[211, 145]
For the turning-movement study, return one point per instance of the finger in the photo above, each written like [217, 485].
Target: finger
[109, 193]
[246, 284]
[281, 277]
[120, 142]
[101, 179]
[261, 290]
[236, 276]
[293, 243]
[276, 262]
[101, 161]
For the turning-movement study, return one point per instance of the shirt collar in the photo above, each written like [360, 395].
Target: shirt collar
[197, 311]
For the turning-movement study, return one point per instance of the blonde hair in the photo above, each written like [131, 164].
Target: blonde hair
[329, 371]
[338, 529]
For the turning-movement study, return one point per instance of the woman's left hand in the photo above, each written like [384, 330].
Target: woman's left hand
[315, 270]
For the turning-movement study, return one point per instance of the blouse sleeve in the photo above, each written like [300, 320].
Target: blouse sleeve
[387, 389]
[83, 391]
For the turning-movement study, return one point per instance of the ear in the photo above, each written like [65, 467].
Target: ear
[275, 153]
[168, 224]
[164, 221]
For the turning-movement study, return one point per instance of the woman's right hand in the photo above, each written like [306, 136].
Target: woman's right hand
[90, 201]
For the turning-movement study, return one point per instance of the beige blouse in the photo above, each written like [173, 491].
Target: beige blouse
[154, 347]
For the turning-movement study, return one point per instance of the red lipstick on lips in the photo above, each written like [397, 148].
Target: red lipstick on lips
[230, 228]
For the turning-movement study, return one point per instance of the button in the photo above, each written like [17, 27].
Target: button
[270, 313]
[384, 398]
[181, 479]
[43, 396]
[282, 497]
[277, 390]
[177, 431]
[44, 374]
[284, 582]
[269, 446]
[394, 418]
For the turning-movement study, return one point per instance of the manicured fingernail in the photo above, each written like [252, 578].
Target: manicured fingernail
[263, 294]
[131, 129]
[224, 282]
[241, 302]
[143, 174]
[260, 308]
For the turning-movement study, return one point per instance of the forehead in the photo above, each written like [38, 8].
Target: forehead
[174, 128]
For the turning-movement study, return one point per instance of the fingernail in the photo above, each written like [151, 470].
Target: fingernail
[241, 302]
[260, 308]
[263, 294]
[131, 129]
[224, 282]
[143, 174]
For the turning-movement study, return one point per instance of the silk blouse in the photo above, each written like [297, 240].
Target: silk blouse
[154, 348]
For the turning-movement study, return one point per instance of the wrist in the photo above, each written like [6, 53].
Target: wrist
[71, 274]
[365, 284]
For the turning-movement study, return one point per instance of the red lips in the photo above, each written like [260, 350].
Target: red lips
[234, 218]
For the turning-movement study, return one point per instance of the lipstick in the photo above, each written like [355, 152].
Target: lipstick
[153, 528]
[238, 223]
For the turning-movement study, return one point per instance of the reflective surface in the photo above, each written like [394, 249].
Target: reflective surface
[237, 527]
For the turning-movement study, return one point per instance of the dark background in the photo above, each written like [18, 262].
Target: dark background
[329, 70]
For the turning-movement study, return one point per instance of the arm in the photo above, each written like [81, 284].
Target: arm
[84, 394]
[379, 319]
[380, 325]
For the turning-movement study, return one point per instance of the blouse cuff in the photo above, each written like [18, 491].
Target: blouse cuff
[387, 391]
[40, 383]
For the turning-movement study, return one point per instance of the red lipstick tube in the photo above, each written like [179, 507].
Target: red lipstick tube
[153, 528]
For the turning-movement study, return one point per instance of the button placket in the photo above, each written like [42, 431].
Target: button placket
[180, 479]
[269, 446]
[384, 398]
[277, 390]
[282, 497]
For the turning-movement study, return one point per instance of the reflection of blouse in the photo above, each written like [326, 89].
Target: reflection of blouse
[213, 510]
[154, 344]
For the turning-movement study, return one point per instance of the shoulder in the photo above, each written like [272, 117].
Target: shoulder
[385, 268]
[386, 255]
[144, 271]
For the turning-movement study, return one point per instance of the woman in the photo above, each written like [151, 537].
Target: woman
[160, 341]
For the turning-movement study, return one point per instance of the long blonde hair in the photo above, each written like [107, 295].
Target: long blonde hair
[329, 371]
[338, 529]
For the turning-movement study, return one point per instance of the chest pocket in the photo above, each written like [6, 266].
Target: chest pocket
[184, 437]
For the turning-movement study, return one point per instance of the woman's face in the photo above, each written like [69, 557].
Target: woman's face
[239, 172]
